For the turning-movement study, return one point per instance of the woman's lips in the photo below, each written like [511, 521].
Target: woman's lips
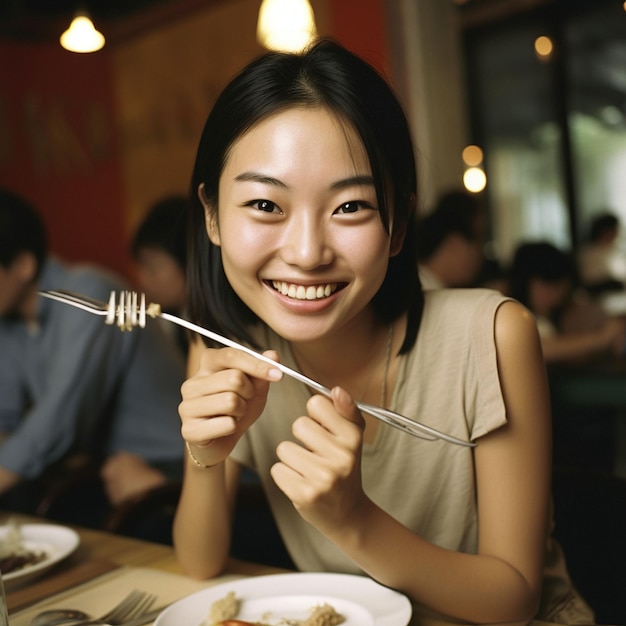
[304, 292]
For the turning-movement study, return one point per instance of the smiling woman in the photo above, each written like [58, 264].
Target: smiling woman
[309, 224]
[302, 245]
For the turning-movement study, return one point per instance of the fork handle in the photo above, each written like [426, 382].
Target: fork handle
[384, 415]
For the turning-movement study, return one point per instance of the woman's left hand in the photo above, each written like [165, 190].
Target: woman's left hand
[322, 476]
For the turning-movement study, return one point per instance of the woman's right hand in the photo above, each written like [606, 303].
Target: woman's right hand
[222, 400]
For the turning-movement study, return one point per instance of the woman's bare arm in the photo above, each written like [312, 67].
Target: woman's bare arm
[224, 394]
[203, 517]
[502, 582]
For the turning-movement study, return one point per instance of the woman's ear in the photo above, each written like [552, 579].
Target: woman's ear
[397, 240]
[398, 234]
[210, 217]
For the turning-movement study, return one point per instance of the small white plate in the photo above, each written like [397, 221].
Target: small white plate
[360, 600]
[57, 542]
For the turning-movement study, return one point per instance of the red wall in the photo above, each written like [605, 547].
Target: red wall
[58, 147]
[360, 26]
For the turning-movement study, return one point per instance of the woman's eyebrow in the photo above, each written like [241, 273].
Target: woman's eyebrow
[260, 178]
[352, 181]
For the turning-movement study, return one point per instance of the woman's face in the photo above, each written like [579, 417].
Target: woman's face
[301, 238]
[547, 296]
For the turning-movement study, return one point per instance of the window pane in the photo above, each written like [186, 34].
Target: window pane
[515, 106]
[597, 73]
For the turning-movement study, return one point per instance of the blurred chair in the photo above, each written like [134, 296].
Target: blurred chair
[149, 515]
[590, 525]
[76, 497]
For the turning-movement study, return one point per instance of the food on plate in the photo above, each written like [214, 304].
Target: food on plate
[323, 615]
[14, 555]
[223, 612]
[222, 609]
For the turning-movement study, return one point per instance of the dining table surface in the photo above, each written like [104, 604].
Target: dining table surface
[105, 566]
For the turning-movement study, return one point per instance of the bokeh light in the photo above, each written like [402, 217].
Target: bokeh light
[472, 156]
[474, 179]
[544, 47]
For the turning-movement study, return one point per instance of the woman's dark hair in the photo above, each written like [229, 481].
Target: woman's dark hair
[21, 230]
[326, 75]
[539, 260]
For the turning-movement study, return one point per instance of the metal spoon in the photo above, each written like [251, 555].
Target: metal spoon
[52, 617]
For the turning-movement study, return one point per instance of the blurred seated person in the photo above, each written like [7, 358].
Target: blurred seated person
[72, 387]
[571, 327]
[602, 264]
[450, 242]
[159, 249]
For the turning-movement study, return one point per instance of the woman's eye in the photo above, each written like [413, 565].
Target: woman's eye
[264, 205]
[348, 207]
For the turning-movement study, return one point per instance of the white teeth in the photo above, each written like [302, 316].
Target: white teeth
[300, 292]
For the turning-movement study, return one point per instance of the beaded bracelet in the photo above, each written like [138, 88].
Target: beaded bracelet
[195, 461]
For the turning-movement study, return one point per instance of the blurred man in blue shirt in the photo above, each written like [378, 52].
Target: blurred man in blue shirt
[69, 384]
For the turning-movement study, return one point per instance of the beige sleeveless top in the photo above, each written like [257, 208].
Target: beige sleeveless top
[448, 381]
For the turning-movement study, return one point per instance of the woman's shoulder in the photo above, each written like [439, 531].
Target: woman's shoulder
[461, 303]
[466, 318]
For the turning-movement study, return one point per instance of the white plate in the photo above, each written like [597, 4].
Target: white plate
[57, 542]
[360, 600]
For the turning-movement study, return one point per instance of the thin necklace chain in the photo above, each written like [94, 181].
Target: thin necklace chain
[383, 386]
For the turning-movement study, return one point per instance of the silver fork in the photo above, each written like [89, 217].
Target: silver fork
[135, 603]
[130, 310]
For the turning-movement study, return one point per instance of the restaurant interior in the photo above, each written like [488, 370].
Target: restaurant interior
[537, 89]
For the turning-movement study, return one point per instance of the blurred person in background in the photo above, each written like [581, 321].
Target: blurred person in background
[602, 264]
[571, 327]
[72, 387]
[159, 249]
[450, 242]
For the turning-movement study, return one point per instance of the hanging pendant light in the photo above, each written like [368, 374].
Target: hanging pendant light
[287, 25]
[82, 36]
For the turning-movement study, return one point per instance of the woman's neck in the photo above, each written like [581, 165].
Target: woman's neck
[358, 358]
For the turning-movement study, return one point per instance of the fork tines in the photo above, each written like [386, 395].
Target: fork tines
[129, 312]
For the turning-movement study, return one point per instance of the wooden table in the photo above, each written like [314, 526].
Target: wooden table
[100, 552]
[101, 557]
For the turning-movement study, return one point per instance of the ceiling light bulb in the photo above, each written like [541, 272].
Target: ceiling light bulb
[287, 25]
[82, 36]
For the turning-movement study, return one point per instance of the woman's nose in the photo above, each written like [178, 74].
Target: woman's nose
[306, 244]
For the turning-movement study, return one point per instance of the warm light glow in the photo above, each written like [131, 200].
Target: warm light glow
[82, 36]
[472, 155]
[474, 179]
[543, 47]
[287, 25]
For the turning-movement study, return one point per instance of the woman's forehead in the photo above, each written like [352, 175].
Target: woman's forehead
[323, 125]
